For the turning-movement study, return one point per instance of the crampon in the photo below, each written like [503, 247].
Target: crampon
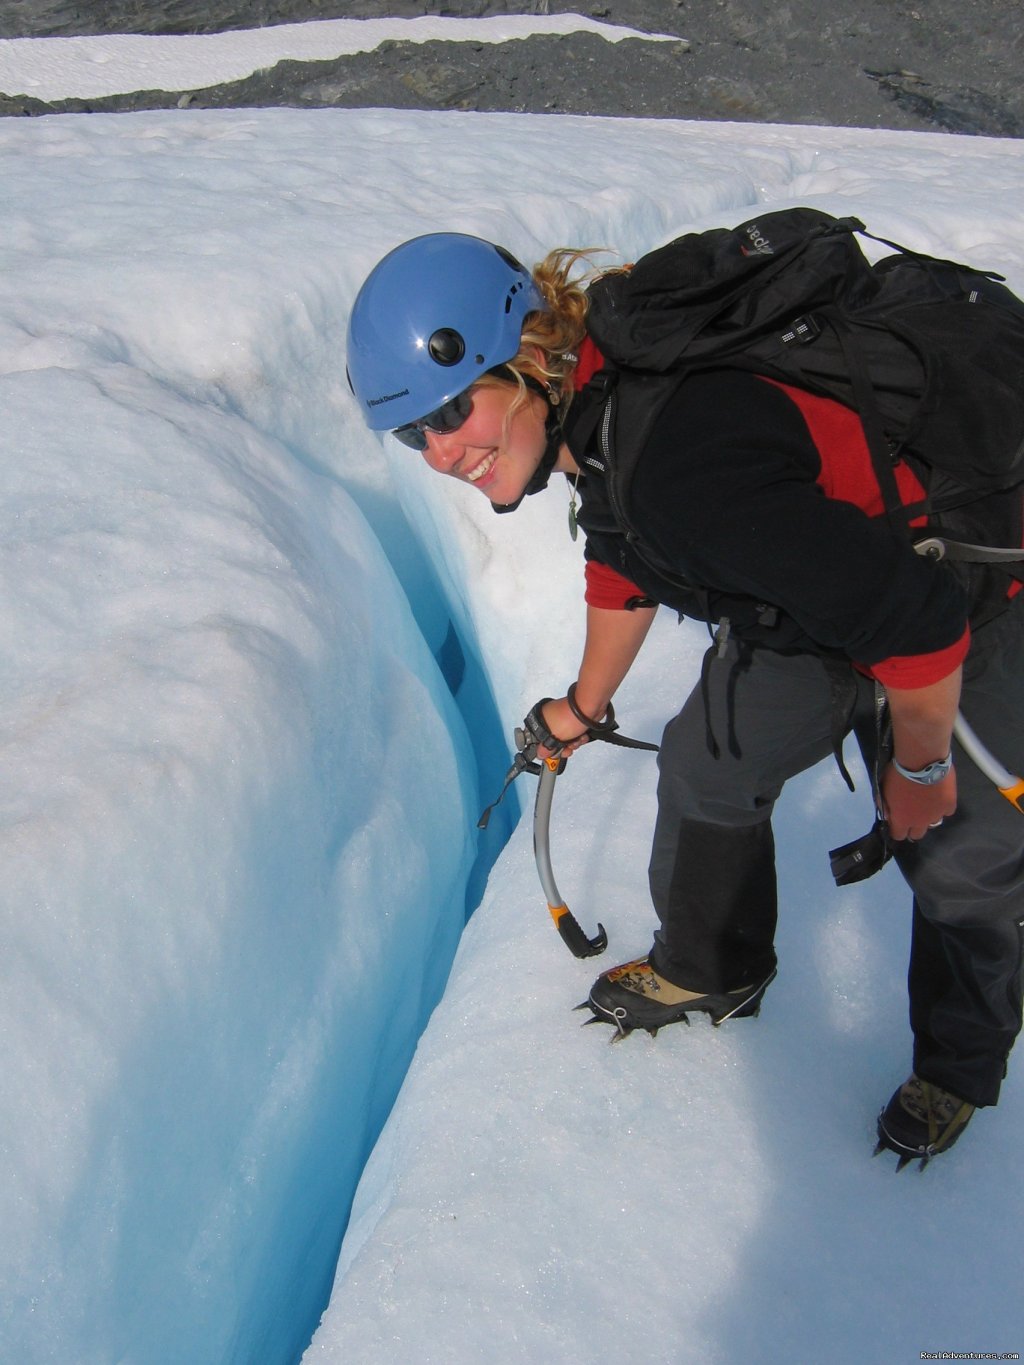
[921, 1121]
[627, 997]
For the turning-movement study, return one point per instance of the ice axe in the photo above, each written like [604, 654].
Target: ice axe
[565, 922]
[530, 736]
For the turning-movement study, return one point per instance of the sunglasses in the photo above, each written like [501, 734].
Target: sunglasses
[448, 417]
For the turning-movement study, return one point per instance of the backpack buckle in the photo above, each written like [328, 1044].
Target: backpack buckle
[803, 330]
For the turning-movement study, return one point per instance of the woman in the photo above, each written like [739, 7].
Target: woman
[757, 511]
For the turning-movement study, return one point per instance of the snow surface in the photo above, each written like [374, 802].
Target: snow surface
[250, 654]
[115, 64]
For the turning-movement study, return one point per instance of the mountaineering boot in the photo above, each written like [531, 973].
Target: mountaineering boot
[633, 995]
[921, 1120]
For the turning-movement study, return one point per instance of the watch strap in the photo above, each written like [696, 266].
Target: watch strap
[927, 776]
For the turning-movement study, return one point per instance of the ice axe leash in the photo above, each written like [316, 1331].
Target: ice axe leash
[534, 734]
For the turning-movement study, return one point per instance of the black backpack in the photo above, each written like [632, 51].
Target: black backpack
[929, 352]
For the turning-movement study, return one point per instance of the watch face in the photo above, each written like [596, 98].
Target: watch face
[937, 771]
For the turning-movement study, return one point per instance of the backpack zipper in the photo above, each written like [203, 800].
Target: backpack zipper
[605, 446]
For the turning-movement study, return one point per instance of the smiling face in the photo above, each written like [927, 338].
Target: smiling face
[496, 454]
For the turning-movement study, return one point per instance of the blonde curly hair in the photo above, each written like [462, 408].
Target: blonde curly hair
[550, 340]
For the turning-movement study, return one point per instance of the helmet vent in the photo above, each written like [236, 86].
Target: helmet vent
[511, 295]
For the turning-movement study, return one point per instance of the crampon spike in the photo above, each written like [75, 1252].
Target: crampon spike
[903, 1158]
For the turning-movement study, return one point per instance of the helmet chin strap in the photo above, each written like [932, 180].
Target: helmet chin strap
[553, 433]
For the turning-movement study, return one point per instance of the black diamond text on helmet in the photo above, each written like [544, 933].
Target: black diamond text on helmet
[385, 398]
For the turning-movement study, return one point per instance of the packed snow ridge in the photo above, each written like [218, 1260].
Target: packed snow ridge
[260, 669]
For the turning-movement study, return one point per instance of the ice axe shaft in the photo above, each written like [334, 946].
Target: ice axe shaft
[532, 736]
[1008, 784]
[941, 547]
[565, 922]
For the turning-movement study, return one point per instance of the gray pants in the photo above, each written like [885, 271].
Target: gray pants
[712, 871]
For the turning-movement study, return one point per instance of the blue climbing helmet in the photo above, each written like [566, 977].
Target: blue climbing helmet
[433, 316]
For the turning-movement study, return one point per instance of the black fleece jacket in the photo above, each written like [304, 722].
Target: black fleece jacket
[726, 501]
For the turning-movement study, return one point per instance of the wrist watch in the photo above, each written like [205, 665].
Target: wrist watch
[929, 774]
